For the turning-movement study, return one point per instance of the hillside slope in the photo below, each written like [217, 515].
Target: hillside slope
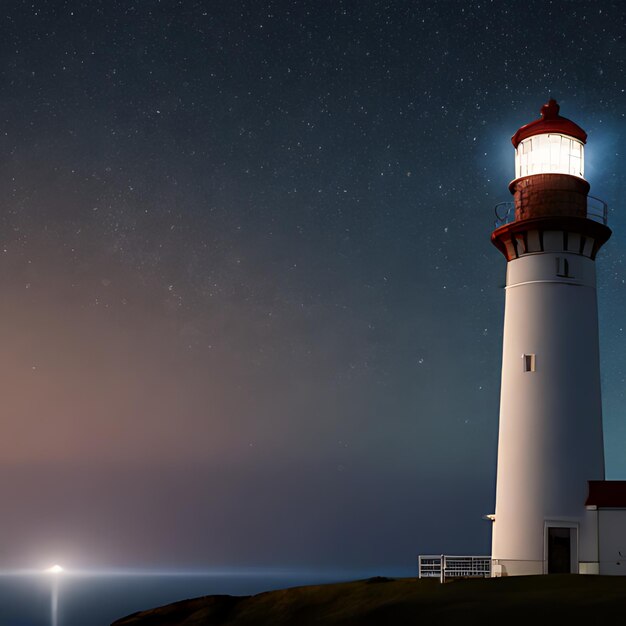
[526, 600]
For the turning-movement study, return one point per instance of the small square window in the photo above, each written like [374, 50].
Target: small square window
[529, 362]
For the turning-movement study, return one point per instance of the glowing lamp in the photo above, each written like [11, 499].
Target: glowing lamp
[550, 153]
[550, 145]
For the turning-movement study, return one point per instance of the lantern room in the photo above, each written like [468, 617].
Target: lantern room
[550, 153]
[549, 167]
[550, 145]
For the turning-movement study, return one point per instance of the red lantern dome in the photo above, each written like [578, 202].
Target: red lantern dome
[550, 122]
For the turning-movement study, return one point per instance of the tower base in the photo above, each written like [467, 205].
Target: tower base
[509, 567]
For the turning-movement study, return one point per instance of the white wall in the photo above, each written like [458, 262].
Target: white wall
[550, 435]
[612, 523]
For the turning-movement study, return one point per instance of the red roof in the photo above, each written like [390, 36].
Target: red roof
[607, 493]
[550, 122]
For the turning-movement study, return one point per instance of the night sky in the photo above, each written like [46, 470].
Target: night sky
[251, 314]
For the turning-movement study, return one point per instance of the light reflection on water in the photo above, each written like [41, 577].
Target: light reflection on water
[90, 599]
[54, 603]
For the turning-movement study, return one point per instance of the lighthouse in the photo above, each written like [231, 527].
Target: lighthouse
[550, 442]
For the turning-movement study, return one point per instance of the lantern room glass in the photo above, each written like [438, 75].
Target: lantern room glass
[550, 153]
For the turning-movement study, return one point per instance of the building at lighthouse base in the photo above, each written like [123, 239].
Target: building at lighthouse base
[607, 502]
[592, 542]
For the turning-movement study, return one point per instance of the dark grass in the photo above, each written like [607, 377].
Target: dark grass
[532, 600]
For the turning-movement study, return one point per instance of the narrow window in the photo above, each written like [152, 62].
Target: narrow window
[529, 362]
[562, 268]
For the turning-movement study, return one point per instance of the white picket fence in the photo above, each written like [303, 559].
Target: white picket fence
[444, 566]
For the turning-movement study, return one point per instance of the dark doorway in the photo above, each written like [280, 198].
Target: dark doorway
[559, 550]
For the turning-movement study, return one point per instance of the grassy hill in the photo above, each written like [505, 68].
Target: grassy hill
[528, 600]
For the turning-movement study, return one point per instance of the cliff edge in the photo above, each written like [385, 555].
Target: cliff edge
[536, 600]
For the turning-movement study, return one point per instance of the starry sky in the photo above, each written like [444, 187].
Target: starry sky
[251, 314]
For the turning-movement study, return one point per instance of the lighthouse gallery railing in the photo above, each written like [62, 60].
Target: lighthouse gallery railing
[597, 210]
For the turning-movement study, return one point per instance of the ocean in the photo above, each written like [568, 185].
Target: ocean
[97, 599]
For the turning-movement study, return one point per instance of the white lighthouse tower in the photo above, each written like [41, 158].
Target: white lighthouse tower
[550, 435]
